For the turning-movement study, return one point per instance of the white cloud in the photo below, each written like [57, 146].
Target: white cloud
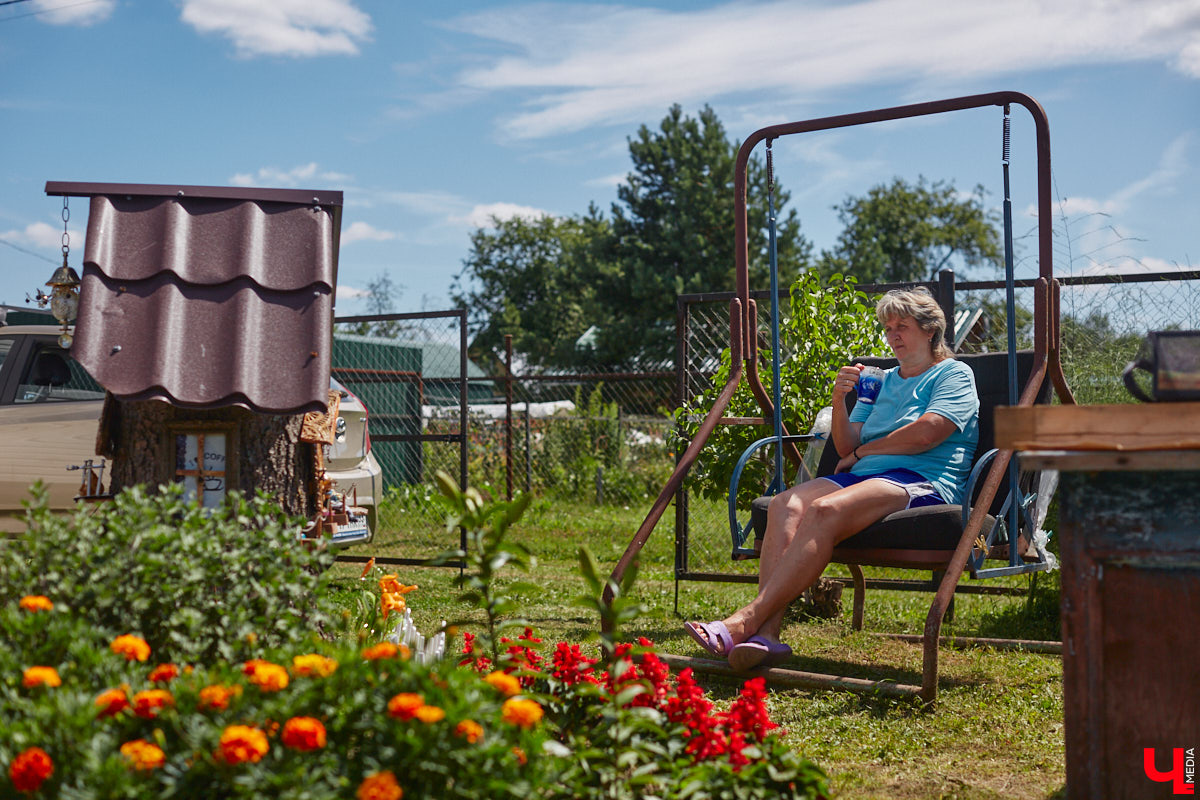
[297, 28]
[350, 293]
[304, 175]
[1172, 164]
[612, 65]
[39, 234]
[485, 216]
[64, 12]
[361, 231]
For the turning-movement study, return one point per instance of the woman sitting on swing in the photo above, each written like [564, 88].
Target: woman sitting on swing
[912, 447]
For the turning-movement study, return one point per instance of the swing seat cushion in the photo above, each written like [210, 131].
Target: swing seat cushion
[925, 528]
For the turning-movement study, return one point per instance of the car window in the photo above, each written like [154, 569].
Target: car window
[5, 346]
[52, 376]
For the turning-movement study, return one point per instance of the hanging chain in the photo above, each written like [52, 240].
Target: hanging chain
[66, 237]
[770, 169]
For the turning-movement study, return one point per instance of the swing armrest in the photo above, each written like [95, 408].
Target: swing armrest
[736, 531]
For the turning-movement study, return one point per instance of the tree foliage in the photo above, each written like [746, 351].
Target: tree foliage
[548, 281]
[903, 232]
[534, 279]
[674, 227]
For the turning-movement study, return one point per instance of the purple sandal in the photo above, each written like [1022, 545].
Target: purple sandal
[758, 651]
[710, 634]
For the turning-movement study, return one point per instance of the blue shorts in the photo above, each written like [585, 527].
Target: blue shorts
[920, 491]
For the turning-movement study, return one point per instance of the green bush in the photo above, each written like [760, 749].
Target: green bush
[194, 583]
[824, 327]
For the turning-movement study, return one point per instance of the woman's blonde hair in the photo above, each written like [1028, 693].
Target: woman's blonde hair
[919, 305]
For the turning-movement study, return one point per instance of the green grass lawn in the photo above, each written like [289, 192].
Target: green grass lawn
[997, 730]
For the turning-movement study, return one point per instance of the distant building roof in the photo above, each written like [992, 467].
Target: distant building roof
[208, 296]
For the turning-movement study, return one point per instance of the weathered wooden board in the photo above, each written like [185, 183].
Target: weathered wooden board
[1149, 426]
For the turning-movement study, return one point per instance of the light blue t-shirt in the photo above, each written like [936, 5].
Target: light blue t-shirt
[947, 388]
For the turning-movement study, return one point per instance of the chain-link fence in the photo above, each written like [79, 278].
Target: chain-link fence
[1104, 319]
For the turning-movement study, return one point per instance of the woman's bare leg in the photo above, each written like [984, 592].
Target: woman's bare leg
[803, 527]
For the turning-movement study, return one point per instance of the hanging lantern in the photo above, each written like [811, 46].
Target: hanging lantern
[64, 299]
[64, 287]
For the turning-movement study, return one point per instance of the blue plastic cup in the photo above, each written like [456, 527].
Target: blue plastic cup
[870, 381]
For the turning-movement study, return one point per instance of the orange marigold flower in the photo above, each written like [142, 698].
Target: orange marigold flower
[522, 759]
[134, 648]
[430, 714]
[381, 651]
[405, 705]
[313, 666]
[36, 602]
[267, 676]
[30, 769]
[217, 697]
[504, 682]
[41, 676]
[164, 673]
[470, 730]
[392, 585]
[517, 711]
[147, 704]
[112, 702]
[143, 756]
[380, 786]
[241, 743]
[304, 733]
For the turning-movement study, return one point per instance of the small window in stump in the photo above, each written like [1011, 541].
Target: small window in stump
[200, 465]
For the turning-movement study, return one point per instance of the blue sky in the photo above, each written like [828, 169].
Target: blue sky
[433, 117]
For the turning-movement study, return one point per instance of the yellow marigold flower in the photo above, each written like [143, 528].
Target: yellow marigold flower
[217, 697]
[313, 666]
[30, 769]
[430, 714]
[504, 682]
[380, 786]
[242, 743]
[112, 702]
[517, 711]
[143, 756]
[41, 676]
[36, 602]
[267, 676]
[381, 651]
[470, 730]
[304, 733]
[134, 648]
[164, 673]
[405, 705]
[147, 704]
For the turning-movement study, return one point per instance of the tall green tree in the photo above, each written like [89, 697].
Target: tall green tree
[534, 279]
[904, 232]
[673, 231]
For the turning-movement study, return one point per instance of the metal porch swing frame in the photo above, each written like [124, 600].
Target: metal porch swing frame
[744, 364]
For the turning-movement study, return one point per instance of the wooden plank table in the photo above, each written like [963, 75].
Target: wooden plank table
[1129, 532]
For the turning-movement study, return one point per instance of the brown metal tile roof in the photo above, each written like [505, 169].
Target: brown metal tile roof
[208, 300]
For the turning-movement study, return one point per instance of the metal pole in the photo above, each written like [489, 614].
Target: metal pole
[1014, 489]
[508, 389]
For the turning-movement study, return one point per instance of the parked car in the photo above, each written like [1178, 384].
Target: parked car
[50, 413]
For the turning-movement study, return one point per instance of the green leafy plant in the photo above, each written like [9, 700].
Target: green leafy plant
[487, 553]
[195, 583]
[826, 325]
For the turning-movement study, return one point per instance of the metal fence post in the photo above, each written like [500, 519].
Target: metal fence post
[508, 392]
[946, 301]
